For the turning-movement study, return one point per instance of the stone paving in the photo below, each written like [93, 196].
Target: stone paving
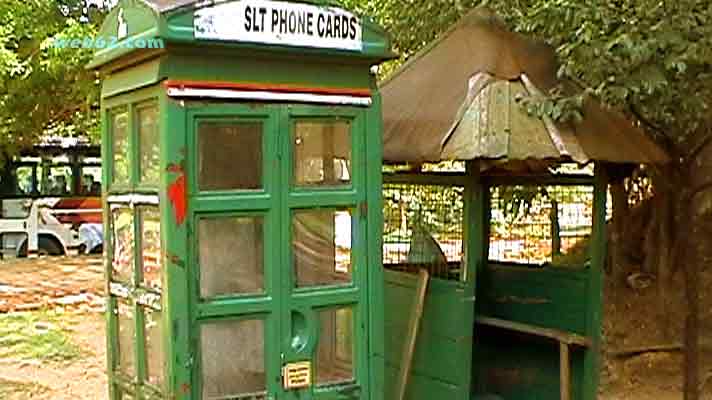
[73, 283]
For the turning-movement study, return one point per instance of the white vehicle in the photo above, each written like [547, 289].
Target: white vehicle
[50, 201]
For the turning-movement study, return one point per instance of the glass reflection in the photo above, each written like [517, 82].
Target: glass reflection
[322, 153]
[149, 145]
[120, 144]
[231, 256]
[126, 338]
[123, 252]
[155, 361]
[321, 247]
[151, 259]
[336, 347]
[232, 357]
[230, 156]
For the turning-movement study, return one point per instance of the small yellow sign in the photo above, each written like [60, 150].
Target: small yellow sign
[297, 375]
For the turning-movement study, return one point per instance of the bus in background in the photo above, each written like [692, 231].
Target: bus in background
[50, 200]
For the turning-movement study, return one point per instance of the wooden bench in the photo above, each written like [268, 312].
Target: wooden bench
[565, 340]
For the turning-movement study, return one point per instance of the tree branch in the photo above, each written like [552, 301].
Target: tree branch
[659, 132]
[699, 190]
[706, 139]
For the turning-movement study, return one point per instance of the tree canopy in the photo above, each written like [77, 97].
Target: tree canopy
[45, 90]
[650, 58]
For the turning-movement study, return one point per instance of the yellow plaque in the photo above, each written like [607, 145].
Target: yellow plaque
[297, 375]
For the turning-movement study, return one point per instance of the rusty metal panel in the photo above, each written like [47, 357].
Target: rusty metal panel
[457, 100]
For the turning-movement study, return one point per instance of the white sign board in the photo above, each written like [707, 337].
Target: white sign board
[280, 23]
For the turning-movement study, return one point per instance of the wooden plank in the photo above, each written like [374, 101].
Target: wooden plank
[420, 387]
[565, 371]
[560, 336]
[416, 316]
[427, 178]
[540, 179]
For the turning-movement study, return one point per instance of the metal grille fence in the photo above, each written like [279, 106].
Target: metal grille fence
[423, 228]
[548, 224]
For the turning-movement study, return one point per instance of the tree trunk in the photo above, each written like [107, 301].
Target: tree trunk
[698, 207]
[651, 247]
[665, 208]
[692, 333]
[618, 260]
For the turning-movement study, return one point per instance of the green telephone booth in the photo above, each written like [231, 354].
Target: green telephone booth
[242, 156]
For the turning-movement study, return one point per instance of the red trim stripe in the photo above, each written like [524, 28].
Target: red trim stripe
[185, 84]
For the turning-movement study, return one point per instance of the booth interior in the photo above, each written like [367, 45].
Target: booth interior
[505, 212]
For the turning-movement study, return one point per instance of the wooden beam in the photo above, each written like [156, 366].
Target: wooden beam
[413, 328]
[565, 371]
[540, 179]
[594, 291]
[427, 178]
[558, 335]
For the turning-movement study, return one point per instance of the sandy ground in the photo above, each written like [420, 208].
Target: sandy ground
[83, 379]
[630, 322]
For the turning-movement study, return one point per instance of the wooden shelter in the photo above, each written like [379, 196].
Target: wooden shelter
[506, 214]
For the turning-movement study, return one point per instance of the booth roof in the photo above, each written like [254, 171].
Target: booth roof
[168, 5]
[456, 100]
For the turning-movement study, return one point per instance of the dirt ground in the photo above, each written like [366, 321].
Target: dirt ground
[632, 321]
[71, 290]
[81, 379]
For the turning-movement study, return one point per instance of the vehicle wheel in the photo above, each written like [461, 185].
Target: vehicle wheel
[48, 246]
[97, 250]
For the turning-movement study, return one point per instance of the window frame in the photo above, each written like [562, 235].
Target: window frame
[556, 180]
[132, 109]
[142, 300]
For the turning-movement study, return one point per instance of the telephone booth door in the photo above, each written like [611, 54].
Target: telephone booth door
[280, 279]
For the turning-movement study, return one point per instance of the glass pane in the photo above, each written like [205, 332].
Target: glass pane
[336, 346]
[231, 256]
[120, 147]
[15, 208]
[322, 153]
[151, 247]
[25, 182]
[155, 361]
[127, 337]
[149, 148]
[321, 247]
[122, 265]
[230, 155]
[56, 180]
[91, 181]
[233, 359]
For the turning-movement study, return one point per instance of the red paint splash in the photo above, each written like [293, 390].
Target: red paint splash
[177, 195]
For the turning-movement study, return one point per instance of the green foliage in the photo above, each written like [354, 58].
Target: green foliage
[649, 58]
[36, 336]
[412, 23]
[45, 90]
